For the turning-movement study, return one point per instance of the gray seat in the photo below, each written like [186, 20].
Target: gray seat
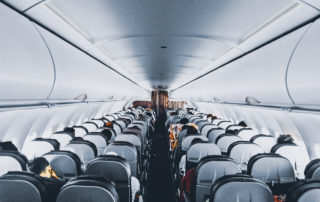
[242, 151]
[206, 128]
[12, 161]
[266, 142]
[62, 137]
[274, 170]
[36, 148]
[90, 126]
[65, 163]
[186, 142]
[88, 189]
[225, 140]
[224, 124]
[85, 150]
[306, 190]
[209, 169]
[312, 170]
[198, 151]
[22, 186]
[80, 131]
[127, 151]
[213, 133]
[240, 188]
[116, 169]
[296, 154]
[247, 133]
[98, 139]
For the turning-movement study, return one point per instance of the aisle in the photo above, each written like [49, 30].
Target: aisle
[160, 185]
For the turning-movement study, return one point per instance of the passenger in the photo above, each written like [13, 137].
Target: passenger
[135, 184]
[243, 124]
[8, 146]
[182, 164]
[184, 121]
[192, 130]
[107, 133]
[40, 166]
[70, 130]
[108, 125]
[285, 139]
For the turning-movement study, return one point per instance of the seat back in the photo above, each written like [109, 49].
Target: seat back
[213, 133]
[127, 151]
[62, 137]
[90, 126]
[247, 133]
[266, 142]
[312, 170]
[298, 157]
[225, 140]
[186, 142]
[116, 169]
[132, 139]
[224, 124]
[205, 128]
[242, 151]
[85, 150]
[274, 170]
[198, 151]
[304, 190]
[22, 186]
[240, 188]
[211, 168]
[64, 163]
[36, 148]
[98, 139]
[80, 131]
[12, 161]
[89, 189]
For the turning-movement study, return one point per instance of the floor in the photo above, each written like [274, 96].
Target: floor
[159, 183]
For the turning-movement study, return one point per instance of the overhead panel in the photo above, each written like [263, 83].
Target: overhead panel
[137, 34]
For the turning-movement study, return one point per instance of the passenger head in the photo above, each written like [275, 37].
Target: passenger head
[41, 166]
[285, 139]
[107, 133]
[196, 140]
[69, 130]
[243, 124]
[192, 130]
[184, 121]
[233, 132]
[108, 125]
[78, 138]
[8, 146]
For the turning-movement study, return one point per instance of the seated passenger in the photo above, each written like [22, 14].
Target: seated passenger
[108, 134]
[135, 184]
[284, 139]
[243, 124]
[41, 167]
[70, 130]
[8, 146]
[184, 121]
[188, 182]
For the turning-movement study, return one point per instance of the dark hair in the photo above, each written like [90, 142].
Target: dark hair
[107, 133]
[38, 165]
[285, 138]
[8, 146]
[69, 130]
[184, 121]
[234, 132]
[192, 130]
[196, 140]
[243, 124]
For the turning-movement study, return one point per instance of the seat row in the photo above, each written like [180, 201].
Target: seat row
[244, 151]
[117, 158]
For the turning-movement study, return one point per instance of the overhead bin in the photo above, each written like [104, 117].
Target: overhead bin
[303, 77]
[259, 75]
[26, 67]
[78, 75]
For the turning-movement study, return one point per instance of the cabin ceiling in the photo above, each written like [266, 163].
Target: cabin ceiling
[161, 42]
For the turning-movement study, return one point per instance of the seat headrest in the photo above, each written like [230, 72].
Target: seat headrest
[30, 187]
[271, 168]
[53, 142]
[304, 190]
[312, 170]
[90, 144]
[244, 188]
[88, 188]
[278, 146]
